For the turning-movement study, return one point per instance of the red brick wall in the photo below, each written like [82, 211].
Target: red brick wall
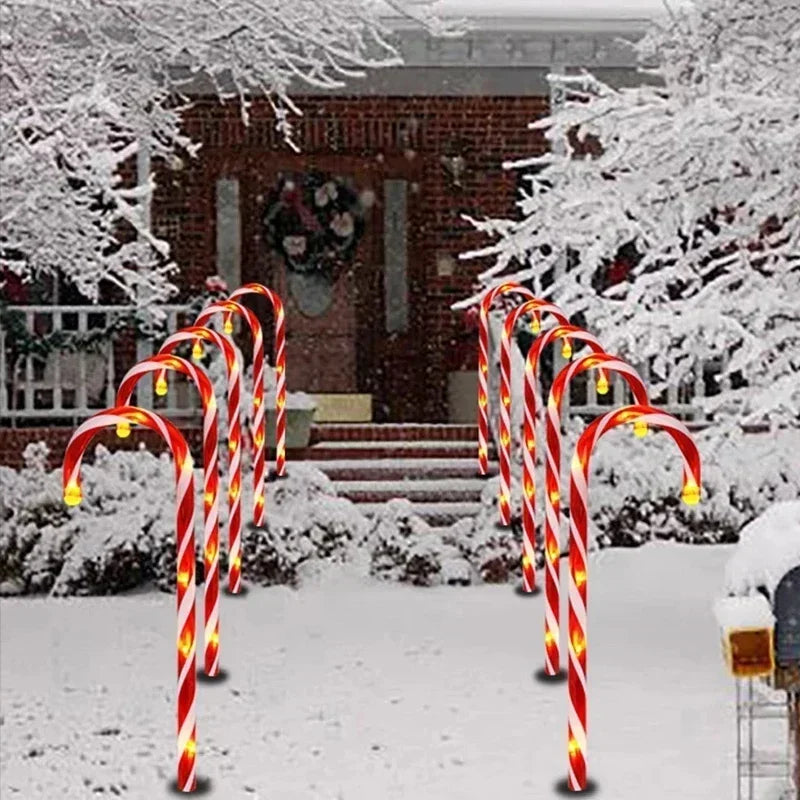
[14, 440]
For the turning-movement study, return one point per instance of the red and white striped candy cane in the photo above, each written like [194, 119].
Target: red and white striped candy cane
[537, 307]
[195, 334]
[259, 427]
[578, 560]
[552, 488]
[565, 332]
[184, 478]
[280, 367]
[210, 485]
[483, 365]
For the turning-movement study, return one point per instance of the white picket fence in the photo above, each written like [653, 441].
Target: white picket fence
[70, 386]
[66, 387]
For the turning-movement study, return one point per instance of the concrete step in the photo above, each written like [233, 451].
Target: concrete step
[388, 469]
[348, 432]
[427, 448]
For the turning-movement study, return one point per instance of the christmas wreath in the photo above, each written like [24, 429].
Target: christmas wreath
[314, 221]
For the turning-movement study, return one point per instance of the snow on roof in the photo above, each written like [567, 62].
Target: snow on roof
[752, 611]
[635, 9]
[554, 9]
[769, 547]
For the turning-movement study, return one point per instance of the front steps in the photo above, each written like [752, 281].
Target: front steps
[433, 466]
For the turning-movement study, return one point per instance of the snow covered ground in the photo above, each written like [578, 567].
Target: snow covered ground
[353, 689]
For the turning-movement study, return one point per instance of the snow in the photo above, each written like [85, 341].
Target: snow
[449, 508]
[349, 690]
[769, 547]
[752, 611]
[553, 9]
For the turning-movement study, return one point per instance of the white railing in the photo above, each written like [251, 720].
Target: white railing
[677, 399]
[69, 386]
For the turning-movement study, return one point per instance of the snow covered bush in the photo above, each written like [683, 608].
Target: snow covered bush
[405, 548]
[674, 205]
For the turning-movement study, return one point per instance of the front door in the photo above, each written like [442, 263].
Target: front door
[328, 350]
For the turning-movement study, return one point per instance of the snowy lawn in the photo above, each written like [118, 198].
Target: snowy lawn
[353, 689]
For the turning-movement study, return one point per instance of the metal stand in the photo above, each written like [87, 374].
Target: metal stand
[760, 703]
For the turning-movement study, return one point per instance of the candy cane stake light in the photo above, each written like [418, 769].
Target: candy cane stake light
[552, 484]
[483, 365]
[537, 308]
[197, 334]
[184, 479]
[280, 366]
[259, 429]
[210, 485]
[567, 333]
[578, 561]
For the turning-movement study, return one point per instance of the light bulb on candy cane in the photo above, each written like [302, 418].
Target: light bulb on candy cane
[640, 428]
[72, 494]
[690, 494]
[123, 430]
[227, 325]
[161, 385]
[197, 350]
[602, 384]
[535, 324]
[566, 349]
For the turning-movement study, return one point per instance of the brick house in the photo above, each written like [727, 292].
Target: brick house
[426, 142]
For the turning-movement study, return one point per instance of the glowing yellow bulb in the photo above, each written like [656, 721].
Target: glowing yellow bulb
[574, 748]
[212, 404]
[281, 452]
[530, 491]
[481, 451]
[215, 639]
[161, 386]
[211, 551]
[208, 497]
[530, 444]
[504, 499]
[580, 578]
[279, 369]
[555, 496]
[191, 748]
[258, 439]
[506, 400]
[184, 576]
[578, 644]
[260, 501]
[691, 494]
[549, 638]
[280, 402]
[553, 553]
[526, 562]
[233, 492]
[227, 326]
[482, 402]
[256, 402]
[566, 349]
[577, 462]
[72, 494]
[484, 368]
[602, 385]
[640, 428]
[237, 562]
[123, 430]
[185, 646]
[505, 439]
[535, 325]
[232, 445]
[197, 350]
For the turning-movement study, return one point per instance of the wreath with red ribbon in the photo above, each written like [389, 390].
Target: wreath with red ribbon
[315, 222]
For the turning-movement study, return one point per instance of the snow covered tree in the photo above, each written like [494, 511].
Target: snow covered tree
[85, 83]
[676, 205]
